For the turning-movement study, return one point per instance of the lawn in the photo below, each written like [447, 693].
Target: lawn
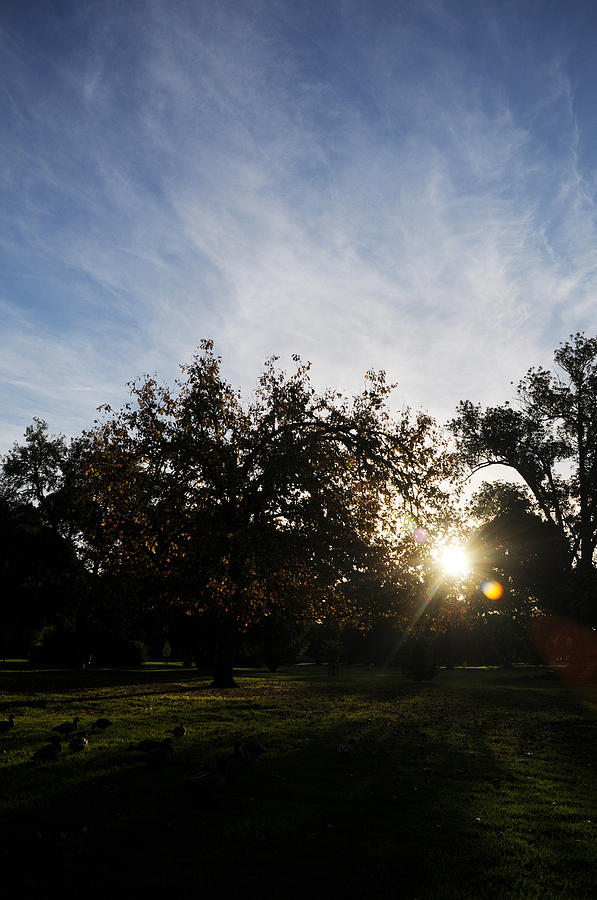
[481, 783]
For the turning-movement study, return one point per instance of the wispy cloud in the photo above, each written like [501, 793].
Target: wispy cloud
[362, 192]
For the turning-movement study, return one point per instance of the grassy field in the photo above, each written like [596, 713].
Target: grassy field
[479, 784]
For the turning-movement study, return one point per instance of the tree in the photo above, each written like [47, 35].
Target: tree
[34, 472]
[522, 552]
[550, 439]
[50, 573]
[236, 512]
[42, 575]
[37, 569]
[516, 546]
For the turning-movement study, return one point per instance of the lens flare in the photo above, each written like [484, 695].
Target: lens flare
[420, 535]
[493, 590]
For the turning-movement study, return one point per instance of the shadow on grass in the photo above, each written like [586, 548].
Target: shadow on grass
[438, 798]
[309, 820]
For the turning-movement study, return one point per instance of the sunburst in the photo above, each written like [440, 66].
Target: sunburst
[454, 560]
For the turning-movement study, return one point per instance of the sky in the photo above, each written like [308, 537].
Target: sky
[407, 186]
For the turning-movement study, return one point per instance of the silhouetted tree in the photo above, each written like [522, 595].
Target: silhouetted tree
[513, 544]
[525, 554]
[50, 573]
[272, 642]
[38, 569]
[236, 512]
[550, 439]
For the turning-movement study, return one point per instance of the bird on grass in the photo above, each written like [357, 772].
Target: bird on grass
[101, 723]
[66, 727]
[79, 743]
[7, 724]
[178, 731]
[48, 752]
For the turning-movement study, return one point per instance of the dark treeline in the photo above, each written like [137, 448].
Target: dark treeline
[302, 524]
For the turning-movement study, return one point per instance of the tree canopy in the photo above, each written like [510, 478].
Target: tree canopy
[549, 436]
[195, 512]
[238, 510]
[517, 547]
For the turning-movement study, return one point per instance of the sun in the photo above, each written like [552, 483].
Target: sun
[454, 560]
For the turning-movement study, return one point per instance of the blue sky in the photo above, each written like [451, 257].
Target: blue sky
[407, 186]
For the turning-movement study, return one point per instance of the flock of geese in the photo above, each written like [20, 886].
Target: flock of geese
[79, 740]
[154, 751]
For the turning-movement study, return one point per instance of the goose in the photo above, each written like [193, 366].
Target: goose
[7, 724]
[67, 727]
[48, 752]
[79, 742]
[101, 723]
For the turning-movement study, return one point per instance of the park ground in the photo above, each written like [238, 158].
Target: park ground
[481, 783]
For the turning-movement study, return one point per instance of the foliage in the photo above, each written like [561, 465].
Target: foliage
[52, 583]
[33, 473]
[279, 507]
[550, 439]
[40, 574]
[68, 646]
[520, 549]
[518, 568]
[316, 637]
[273, 642]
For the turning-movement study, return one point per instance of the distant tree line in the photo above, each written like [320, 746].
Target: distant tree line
[299, 524]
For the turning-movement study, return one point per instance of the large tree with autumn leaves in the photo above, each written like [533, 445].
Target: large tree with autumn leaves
[235, 511]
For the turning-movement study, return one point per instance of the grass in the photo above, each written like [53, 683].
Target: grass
[479, 784]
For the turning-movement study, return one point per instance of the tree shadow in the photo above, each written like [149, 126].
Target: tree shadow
[432, 800]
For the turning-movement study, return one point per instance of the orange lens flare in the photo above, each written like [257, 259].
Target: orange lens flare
[493, 590]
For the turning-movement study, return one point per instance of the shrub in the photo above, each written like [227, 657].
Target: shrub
[63, 646]
[52, 645]
[118, 650]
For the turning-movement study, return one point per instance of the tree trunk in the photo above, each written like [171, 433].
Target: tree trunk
[224, 661]
[585, 529]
